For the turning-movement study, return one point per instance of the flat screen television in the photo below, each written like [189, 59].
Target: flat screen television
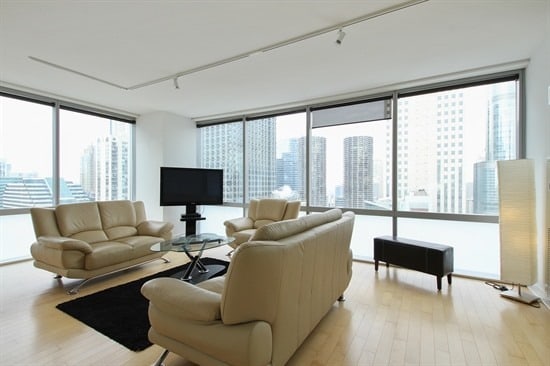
[190, 187]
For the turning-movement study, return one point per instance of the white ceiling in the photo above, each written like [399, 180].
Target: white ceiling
[133, 42]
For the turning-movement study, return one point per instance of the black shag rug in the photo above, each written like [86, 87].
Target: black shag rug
[120, 312]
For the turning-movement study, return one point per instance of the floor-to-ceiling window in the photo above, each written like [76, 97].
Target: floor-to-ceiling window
[52, 153]
[416, 163]
[449, 140]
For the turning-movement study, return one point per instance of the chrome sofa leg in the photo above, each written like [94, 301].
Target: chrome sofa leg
[75, 289]
[342, 298]
[160, 360]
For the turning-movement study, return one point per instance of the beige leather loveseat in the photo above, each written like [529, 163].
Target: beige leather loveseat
[260, 212]
[90, 239]
[279, 285]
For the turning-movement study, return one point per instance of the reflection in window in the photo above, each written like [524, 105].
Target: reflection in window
[25, 154]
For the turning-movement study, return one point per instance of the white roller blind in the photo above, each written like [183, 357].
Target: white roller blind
[352, 113]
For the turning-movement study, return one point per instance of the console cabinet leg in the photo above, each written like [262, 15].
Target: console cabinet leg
[438, 283]
[376, 264]
[449, 278]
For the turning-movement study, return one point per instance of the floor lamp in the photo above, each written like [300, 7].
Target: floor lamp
[517, 224]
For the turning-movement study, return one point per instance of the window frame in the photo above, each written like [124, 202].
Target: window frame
[490, 78]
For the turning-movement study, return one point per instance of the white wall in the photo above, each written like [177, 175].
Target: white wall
[538, 147]
[162, 139]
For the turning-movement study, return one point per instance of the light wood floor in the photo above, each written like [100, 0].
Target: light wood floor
[394, 317]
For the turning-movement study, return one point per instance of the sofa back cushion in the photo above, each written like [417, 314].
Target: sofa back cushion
[267, 209]
[80, 221]
[283, 229]
[44, 222]
[118, 218]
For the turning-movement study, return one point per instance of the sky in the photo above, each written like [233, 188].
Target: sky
[26, 137]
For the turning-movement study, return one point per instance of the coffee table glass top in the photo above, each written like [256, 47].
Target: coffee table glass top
[192, 243]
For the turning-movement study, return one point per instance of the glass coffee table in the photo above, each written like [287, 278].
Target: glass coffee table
[194, 246]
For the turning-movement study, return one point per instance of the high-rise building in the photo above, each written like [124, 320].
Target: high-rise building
[291, 170]
[501, 145]
[221, 148]
[261, 157]
[104, 170]
[19, 192]
[289, 175]
[358, 171]
[318, 168]
[430, 153]
[451, 193]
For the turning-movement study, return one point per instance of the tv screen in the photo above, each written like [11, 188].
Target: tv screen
[190, 186]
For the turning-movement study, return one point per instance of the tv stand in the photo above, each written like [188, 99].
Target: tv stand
[191, 216]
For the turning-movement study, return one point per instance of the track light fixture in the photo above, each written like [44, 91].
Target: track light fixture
[341, 35]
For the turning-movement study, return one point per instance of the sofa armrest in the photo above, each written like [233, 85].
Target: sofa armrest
[63, 243]
[238, 224]
[182, 299]
[156, 228]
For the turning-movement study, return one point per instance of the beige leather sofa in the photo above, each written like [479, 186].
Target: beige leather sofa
[90, 239]
[279, 285]
[260, 212]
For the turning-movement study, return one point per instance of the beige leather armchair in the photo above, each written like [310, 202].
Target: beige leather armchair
[260, 212]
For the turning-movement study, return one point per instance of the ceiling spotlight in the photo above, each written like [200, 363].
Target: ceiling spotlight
[176, 85]
[341, 35]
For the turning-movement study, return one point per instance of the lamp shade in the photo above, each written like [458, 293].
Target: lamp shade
[517, 222]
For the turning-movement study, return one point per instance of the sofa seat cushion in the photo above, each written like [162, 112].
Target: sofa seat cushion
[108, 253]
[117, 232]
[242, 344]
[242, 236]
[141, 245]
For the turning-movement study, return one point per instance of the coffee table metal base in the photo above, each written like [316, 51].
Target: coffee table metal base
[196, 274]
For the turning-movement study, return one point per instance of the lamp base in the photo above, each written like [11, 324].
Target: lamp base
[521, 297]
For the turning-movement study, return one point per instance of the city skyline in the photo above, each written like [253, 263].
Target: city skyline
[445, 162]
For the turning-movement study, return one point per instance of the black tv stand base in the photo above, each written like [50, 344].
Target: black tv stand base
[191, 216]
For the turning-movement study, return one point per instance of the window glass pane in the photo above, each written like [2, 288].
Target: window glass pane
[276, 148]
[16, 236]
[365, 229]
[95, 158]
[25, 154]
[221, 147]
[475, 245]
[351, 164]
[447, 145]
